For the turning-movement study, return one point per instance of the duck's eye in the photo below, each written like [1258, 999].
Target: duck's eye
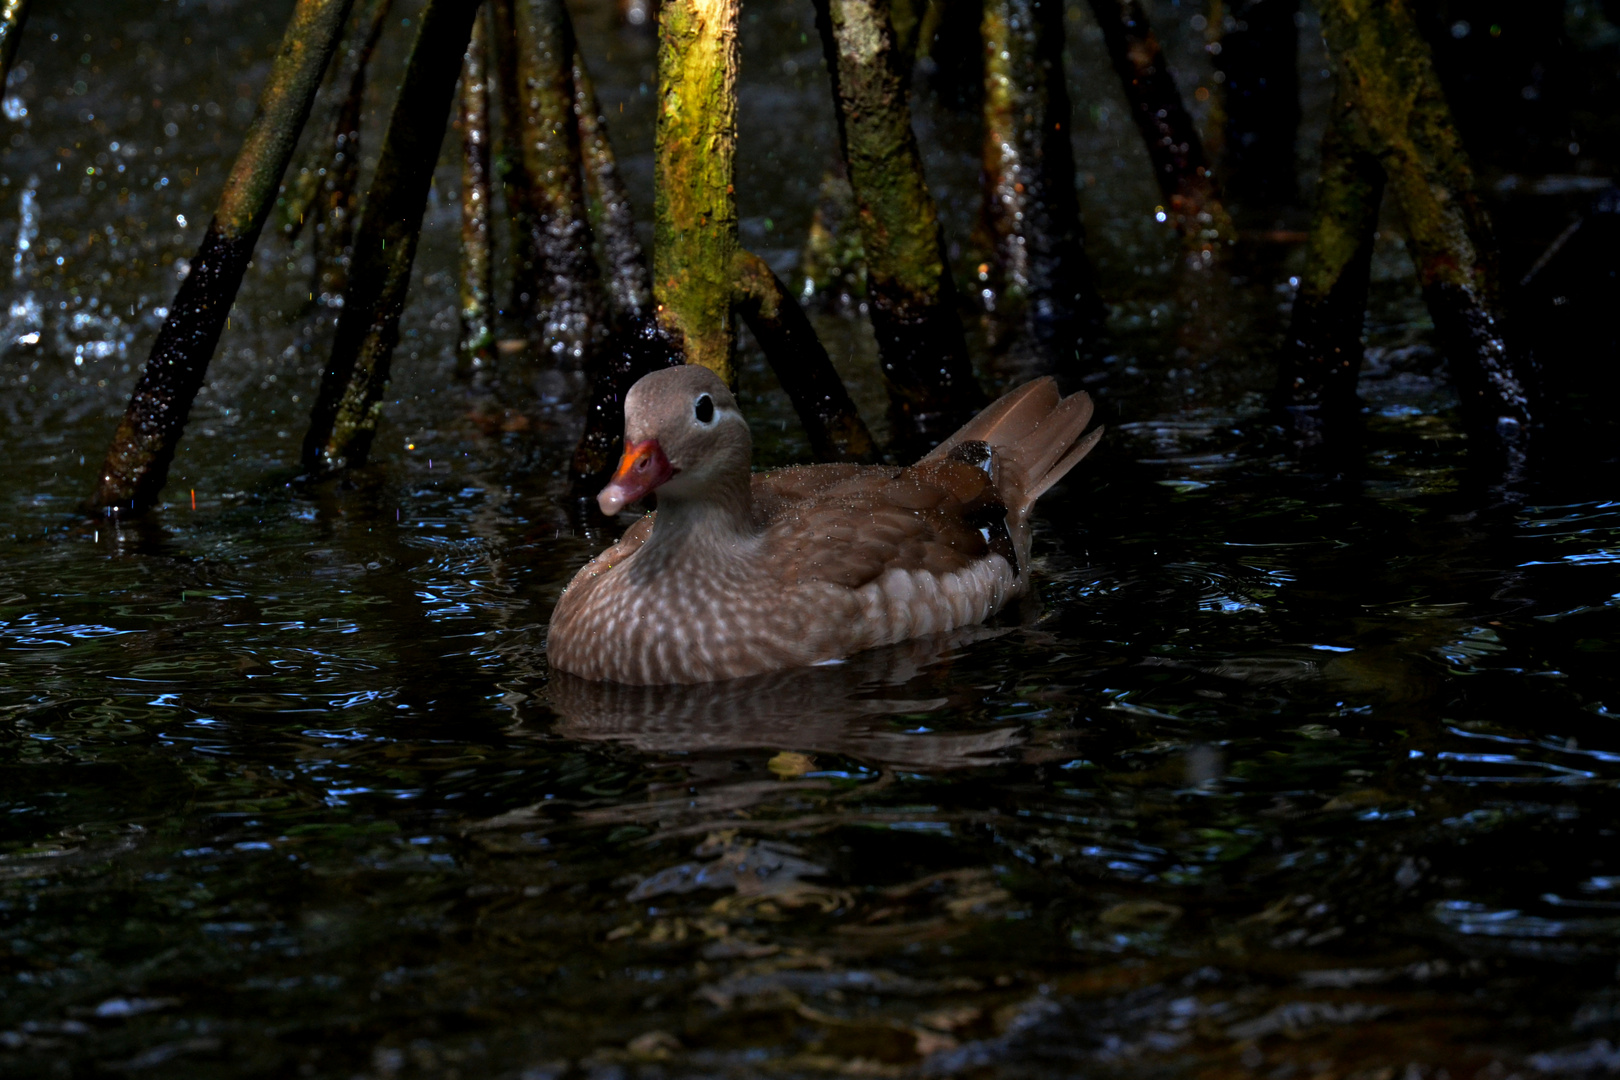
[703, 409]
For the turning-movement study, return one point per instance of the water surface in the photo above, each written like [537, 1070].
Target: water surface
[1286, 770]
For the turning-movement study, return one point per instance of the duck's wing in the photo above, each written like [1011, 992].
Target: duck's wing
[851, 527]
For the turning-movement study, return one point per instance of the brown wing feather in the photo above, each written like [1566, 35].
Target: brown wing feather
[848, 525]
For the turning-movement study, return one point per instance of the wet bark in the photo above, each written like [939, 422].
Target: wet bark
[344, 419]
[910, 292]
[1192, 198]
[1316, 391]
[802, 366]
[1260, 62]
[636, 349]
[13, 15]
[1031, 213]
[137, 462]
[695, 229]
[1387, 72]
[613, 221]
[476, 348]
[571, 310]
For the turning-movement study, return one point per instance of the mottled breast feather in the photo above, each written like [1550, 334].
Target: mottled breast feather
[844, 558]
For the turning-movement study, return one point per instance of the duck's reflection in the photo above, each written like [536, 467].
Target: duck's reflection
[858, 708]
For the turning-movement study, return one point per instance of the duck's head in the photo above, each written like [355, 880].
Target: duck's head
[683, 436]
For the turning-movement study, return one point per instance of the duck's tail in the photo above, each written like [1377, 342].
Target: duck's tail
[1035, 429]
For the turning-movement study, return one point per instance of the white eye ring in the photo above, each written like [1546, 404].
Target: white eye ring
[703, 410]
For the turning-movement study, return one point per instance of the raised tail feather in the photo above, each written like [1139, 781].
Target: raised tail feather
[1037, 430]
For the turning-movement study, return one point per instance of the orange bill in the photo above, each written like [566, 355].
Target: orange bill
[642, 468]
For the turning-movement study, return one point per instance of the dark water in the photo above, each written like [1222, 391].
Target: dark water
[1284, 773]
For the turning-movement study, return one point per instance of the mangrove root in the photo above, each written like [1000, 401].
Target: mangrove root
[1316, 392]
[1031, 213]
[802, 366]
[344, 419]
[325, 190]
[695, 227]
[910, 292]
[476, 348]
[570, 307]
[1386, 72]
[137, 462]
[1192, 199]
[613, 221]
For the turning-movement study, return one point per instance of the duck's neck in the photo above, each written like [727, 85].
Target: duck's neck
[722, 515]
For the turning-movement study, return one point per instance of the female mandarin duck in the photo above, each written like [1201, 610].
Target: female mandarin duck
[738, 574]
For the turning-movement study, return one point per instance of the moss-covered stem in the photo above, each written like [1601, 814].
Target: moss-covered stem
[1180, 167]
[13, 14]
[476, 347]
[629, 282]
[695, 226]
[571, 309]
[1387, 72]
[1321, 358]
[137, 462]
[1031, 213]
[802, 366]
[344, 419]
[910, 293]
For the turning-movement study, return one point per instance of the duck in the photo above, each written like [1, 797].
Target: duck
[737, 574]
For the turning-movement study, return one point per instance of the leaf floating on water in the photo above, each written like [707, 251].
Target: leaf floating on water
[1141, 914]
[789, 765]
[654, 1045]
[1317, 731]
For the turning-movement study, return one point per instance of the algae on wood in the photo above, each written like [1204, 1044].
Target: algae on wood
[695, 227]
[344, 419]
[910, 293]
[476, 346]
[137, 462]
[1045, 284]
